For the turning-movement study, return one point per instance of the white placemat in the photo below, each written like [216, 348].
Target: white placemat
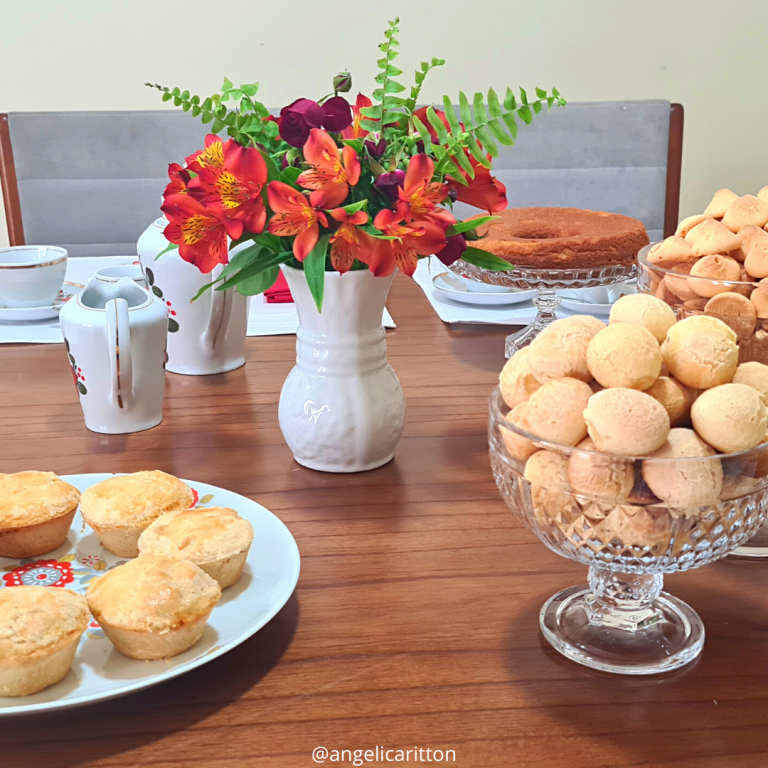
[454, 312]
[263, 319]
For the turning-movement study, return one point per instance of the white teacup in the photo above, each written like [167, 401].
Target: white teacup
[31, 275]
[114, 274]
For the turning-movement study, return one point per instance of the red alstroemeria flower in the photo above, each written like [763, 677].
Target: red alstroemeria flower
[348, 242]
[210, 157]
[354, 131]
[200, 232]
[331, 173]
[421, 238]
[179, 180]
[235, 188]
[294, 216]
[484, 191]
[420, 197]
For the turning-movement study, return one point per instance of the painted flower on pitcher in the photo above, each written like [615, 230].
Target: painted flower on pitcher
[92, 561]
[294, 217]
[77, 373]
[40, 573]
[331, 173]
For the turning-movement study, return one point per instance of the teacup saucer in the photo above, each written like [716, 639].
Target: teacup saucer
[455, 288]
[573, 300]
[21, 314]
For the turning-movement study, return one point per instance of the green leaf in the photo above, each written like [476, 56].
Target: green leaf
[207, 117]
[511, 123]
[196, 111]
[185, 95]
[437, 124]
[250, 89]
[466, 113]
[481, 116]
[487, 140]
[525, 114]
[541, 94]
[493, 104]
[450, 113]
[167, 96]
[176, 92]
[167, 249]
[523, 96]
[251, 286]
[314, 270]
[355, 207]
[207, 104]
[485, 260]
[495, 127]
[290, 175]
[462, 160]
[424, 135]
[177, 101]
[217, 125]
[227, 85]
[477, 152]
[468, 225]
[265, 262]
[269, 241]
[536, 107]
[509, 100]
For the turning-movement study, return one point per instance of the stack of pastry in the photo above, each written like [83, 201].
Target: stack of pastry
[651, 407]
[717, 263]
[154, 606]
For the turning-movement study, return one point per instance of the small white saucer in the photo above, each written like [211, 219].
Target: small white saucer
[452, 287]
[22, 314]
[571, 301]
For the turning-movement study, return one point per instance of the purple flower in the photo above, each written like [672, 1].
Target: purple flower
[297, 119]
[337, 114]
[455, 246]
[376, 148]
[390, 181]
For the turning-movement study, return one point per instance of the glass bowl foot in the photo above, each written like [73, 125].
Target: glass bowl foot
[546, 303]
[650, 639]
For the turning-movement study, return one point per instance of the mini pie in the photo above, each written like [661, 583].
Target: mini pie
[216, 539]
[36, 511]
[40, 628]
[121, 508]
[153, 607]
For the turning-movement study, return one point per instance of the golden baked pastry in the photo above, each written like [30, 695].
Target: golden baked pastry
[746, 211]
[624, 355]
[736, 311]
[519, 447]
[708, 272]
[673, 250]
[731, 417]
[516, 381]
[563, 238]
[216, 539]
[598, 475]
[560, 350]
[676, 398]
[40, 629]
[646, 311]
[36, 511]
[555, 411]
[720, 203]
[686, 483]
[711, 237]
[626, 422]
[120, 508]
[547, 472]
[153, 607]
[686, 225]
[756, 261]
[701, 352]
[763, 194]
[754, 375]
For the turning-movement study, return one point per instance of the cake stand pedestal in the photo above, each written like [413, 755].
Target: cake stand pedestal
[546, 283]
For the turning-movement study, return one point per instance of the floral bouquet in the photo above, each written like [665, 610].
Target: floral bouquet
[333, 186]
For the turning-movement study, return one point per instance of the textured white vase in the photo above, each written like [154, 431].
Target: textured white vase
[342, 408]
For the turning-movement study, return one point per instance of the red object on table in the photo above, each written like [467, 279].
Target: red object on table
[279, 293]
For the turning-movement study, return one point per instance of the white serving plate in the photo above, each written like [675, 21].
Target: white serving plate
[100, 671]
[570, 300]
[452, 287]
[26, 314]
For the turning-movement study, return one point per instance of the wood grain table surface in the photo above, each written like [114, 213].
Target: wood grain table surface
[415, 620]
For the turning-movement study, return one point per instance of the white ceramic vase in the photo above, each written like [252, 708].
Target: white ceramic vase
[342, 408]
[115, 335]
[205, 336]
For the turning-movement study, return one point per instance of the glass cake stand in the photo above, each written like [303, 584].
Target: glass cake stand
[546, 283]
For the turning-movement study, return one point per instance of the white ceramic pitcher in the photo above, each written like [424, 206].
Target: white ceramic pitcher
[205, 336]
[115, 334]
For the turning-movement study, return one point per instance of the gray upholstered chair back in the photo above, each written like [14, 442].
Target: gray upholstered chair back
[91, 181]
[604, 156]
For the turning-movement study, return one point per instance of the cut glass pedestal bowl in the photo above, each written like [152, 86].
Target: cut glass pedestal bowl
[621, 621]
[546, 283]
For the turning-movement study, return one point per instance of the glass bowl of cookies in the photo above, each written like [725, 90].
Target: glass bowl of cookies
[602, 449]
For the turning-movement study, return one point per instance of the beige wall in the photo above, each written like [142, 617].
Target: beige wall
[95, 54]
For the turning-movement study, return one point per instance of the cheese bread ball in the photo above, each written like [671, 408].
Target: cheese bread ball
[646, 311]
[731, 417]
[701, 352]
[626, 422]
[599, 475]
[684, 483]
[754, 375]
[516, 381]
[547, 473]
[561, 349]
[519, 447]
[624, 356]
[676, 398]
[556, 411]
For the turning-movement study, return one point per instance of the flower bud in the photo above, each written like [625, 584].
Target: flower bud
[342, 83]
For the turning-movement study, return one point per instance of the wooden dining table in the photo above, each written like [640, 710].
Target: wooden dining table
[415, 622]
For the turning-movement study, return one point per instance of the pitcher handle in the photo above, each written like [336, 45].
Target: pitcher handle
[215, 319]
[120, 358]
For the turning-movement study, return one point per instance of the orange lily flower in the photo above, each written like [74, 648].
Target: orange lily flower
[235, 188]
[179, 178]
[331, 174]
[421, 238]
[200, 233]
[348, 242]
[354, 131]
[294, 216]
[420, 197]
[484, 191]
[211, 156]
